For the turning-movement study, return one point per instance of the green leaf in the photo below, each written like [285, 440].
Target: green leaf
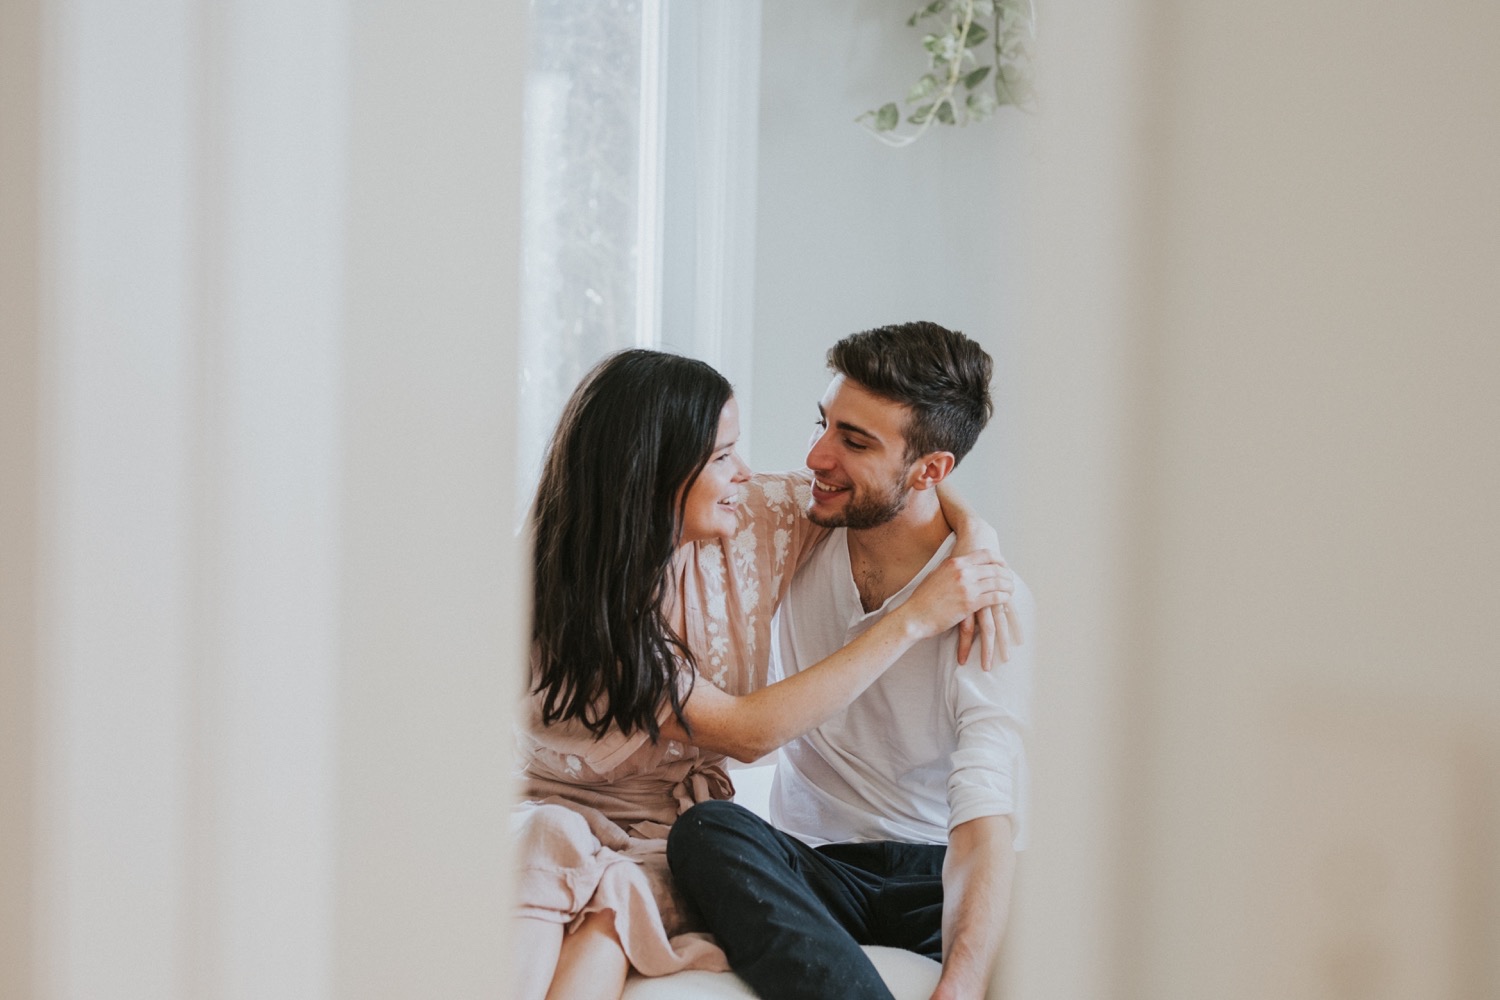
[946, 49]
[945, 112]
[887, 117]
[975, 78]
[936, 7]
[981, 105]
[921, 115]
[923, 87]
[1012, 86]
[974, 35]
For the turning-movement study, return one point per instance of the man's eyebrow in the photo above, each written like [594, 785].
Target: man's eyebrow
[845, 425]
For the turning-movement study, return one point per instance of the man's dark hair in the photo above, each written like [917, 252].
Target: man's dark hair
[942, 376]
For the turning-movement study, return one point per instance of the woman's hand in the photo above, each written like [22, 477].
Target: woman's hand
[987, 622]
[952, 593]
[992, 623]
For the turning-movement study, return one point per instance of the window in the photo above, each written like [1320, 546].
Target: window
[639, 192]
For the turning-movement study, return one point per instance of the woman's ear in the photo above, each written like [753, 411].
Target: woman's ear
[931, 469]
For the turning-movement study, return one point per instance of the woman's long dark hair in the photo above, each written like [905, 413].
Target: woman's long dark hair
[637, 432]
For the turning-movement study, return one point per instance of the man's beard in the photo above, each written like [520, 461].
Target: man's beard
[868, 511]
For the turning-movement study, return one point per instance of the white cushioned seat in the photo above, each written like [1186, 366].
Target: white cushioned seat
[910, 977]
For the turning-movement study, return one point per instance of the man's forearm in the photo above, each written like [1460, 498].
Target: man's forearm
[977, 876]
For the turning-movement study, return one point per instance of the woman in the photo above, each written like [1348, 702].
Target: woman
[657, 565]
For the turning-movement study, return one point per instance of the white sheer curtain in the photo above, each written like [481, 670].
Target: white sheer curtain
[582, 258]
[639, 192]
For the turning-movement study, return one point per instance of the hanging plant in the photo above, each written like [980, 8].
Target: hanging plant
[979, 58]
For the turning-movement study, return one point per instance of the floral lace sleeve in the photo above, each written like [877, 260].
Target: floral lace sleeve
[736, 583]
[775, 513]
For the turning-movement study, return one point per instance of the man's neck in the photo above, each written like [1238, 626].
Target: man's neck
[886, 558]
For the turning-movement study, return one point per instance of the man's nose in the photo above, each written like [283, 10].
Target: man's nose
[817, 454]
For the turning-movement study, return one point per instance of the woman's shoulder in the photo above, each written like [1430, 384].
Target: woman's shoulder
[772, 509]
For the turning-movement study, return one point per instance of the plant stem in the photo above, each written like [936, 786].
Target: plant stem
[955, 71]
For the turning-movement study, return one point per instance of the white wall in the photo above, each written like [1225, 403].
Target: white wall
[851, 234]
[20, 178]
[262, 601]
[1259, 501]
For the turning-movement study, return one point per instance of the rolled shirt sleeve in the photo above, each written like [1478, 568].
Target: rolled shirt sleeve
[988, 769]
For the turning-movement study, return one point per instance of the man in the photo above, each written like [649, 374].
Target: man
[896, 822]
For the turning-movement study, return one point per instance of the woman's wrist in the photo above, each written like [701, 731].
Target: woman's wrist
[908, 627]
[974, 532]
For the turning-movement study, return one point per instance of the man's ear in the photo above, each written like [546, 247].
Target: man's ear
[931, 469]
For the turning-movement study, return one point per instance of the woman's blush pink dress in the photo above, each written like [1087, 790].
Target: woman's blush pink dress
[592, 830]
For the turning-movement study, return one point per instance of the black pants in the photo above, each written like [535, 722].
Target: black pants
[790, 917]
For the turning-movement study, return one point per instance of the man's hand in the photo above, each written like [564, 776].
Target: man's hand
[951, 989]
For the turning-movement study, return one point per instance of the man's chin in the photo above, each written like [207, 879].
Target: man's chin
[857, 515]
[825, 520]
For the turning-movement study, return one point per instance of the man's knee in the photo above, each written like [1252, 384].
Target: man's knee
[706, 832]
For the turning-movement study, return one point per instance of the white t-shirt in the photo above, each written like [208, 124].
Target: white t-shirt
[928, 746]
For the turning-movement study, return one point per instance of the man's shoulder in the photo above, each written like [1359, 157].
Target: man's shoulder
[1023, 600]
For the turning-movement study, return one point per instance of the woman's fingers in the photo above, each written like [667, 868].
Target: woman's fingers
[964, 592]
[986, 583]
[990, 578]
